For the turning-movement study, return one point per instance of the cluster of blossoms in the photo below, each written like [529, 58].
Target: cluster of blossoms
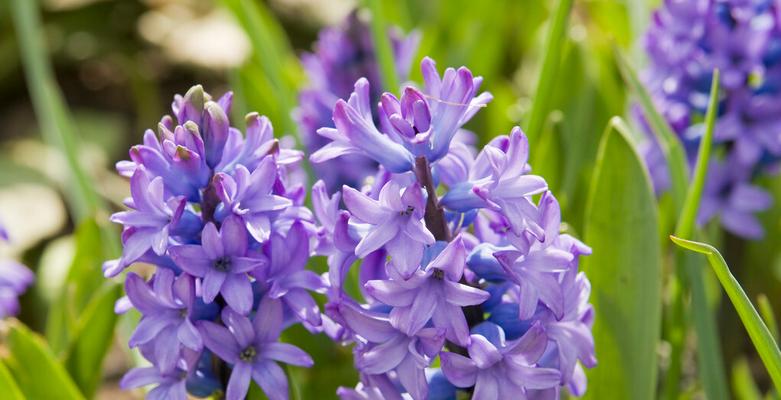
[341, 56]
[15, 278]
[686, 41]
[461, 254]
[219, 216]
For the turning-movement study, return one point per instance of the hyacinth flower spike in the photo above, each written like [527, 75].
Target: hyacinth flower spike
[253, 349]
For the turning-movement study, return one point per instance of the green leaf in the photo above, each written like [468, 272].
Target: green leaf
[83, 279]
[270, 51]
[670, 143]
[92, 339]
[743, 384]
[691, 205]
[554, 47]
[766, 310]
[51, 111]
[34, 367]
[710, 363]
[383, 46]
[757, 330]
[621, 226]
[8, 386]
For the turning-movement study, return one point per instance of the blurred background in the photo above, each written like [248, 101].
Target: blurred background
[118, 64]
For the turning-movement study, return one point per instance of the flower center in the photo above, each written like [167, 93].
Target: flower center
[248, 354]
[408, 211]
[438, 274]
[183, 313]
[222, 264]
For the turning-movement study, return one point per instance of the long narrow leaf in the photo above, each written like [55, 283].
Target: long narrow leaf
[710, 362]
[625, 271]
[670, 143]
[8, 386]
[383, 46]
[269, 54]
[554, 46]
[766, 310]
[757, 330]
[58, 129]
[92, 339]
[36, 370]
[688, 217]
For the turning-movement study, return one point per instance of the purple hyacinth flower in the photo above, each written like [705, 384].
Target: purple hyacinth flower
[389, 349]
[342, 55]
[287, 276]
[253, 349]
[355, 133]
[15, 278]
[166, 309]
[171, 385]
[500, 370]
[572, 332]
[396, 223]
[222, 263]
[250, 196]
[432, 294]
[150, 221]
[452, 103]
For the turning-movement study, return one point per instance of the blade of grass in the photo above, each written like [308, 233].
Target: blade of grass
[691, 205]
[766, 310]
[710, 362]
[554, 46]
[757, 330]
[383, 46]
[670, 143]
[269, 53]
[57, 128]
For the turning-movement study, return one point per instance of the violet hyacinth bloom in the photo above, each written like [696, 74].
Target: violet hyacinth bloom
[433, 268]
[686, 41]
[342, 55]
[206, 204]
[15, 278]
[500, 370]
[253, 349]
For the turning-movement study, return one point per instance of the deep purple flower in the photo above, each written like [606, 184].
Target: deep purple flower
[253, 349]
[500, 370]
[389, 349]
[170, 385]
[396, 223]
[433, 293]
[222, 263]
[250, 196]
[166, 308]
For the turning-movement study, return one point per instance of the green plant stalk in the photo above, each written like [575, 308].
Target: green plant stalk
[710, 361]
[382, 46]
[268, 56]
[58, 129]
[757, 330]
[554, 46]
[766, 310]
